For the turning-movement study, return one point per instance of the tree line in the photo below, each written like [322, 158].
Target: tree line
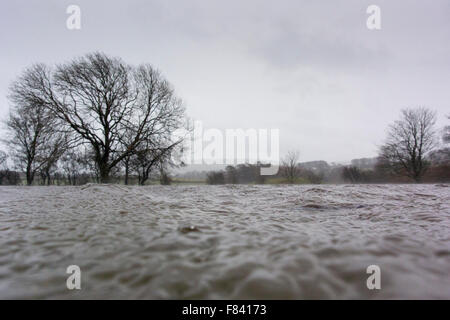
[94, 117]
[414, 151]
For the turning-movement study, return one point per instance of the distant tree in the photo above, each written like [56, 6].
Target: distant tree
[312, 176]
[151, 158]
[74, 163]
[409, 142]
[7, 177]
[231, 175]
[352, 174]
[289, 166]
[35, 137]
[56, 146]
[215, 177]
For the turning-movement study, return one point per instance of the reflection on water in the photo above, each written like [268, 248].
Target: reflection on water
[207, 242]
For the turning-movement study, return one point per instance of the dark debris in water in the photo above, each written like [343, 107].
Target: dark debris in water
[188, 229]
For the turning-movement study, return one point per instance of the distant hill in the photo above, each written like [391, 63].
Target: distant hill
[316, 166]
[364, 163]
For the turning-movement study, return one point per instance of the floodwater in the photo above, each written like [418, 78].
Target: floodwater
[225, 242]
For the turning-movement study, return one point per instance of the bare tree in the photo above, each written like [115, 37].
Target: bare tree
[74, 163]
[409, 142]
[353, 174]
[28, 134]
[31, 128]
[289, 166]
[56, 145]
[103, 100]
[152, 157]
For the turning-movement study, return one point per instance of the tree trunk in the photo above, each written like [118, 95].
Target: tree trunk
[104, 177]
[104, 173]
[103, 167]
[144, 177]
[126, 171]
[47, 173]
[30, 176]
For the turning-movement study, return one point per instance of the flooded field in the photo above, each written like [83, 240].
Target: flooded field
[212, 242]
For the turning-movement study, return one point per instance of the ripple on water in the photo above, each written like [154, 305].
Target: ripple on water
[242, 242]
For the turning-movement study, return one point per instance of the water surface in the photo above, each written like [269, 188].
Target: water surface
[220, 242]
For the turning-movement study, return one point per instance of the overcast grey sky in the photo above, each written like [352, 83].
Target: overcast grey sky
[310, 68]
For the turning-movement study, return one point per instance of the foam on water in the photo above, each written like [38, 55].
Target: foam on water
[237, 241]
